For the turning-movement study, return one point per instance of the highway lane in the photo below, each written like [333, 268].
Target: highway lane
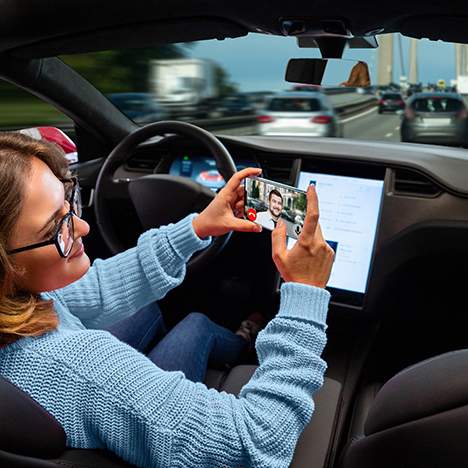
[370, 125]
[367, 125]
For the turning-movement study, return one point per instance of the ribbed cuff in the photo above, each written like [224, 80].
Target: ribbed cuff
[183, 238]
[304, 302]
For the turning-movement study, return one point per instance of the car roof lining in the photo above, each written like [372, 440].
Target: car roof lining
[34, 28]
[149, 34]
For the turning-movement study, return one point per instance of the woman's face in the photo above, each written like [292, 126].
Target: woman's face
[43, 269]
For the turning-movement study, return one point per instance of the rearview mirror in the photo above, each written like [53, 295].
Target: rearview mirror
[329, 72]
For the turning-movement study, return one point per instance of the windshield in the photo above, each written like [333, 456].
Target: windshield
[236, 86]
[437, 104]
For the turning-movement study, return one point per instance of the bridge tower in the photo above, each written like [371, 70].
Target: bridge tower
[385, 59]
[413, 61]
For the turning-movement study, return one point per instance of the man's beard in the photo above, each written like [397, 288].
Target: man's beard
[274, 214]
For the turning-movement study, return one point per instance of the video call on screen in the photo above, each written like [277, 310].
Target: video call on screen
[349, 211]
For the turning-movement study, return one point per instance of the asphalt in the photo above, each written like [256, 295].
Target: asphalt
[367, 125]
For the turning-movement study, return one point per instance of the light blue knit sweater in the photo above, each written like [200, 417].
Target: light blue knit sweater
[108, 395]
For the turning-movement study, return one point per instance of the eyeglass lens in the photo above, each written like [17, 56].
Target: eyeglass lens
[76, 202]
[66, 236]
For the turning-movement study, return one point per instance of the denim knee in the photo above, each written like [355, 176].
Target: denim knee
[196, 320]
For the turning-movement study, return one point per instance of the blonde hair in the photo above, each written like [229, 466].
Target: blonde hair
[22, 313]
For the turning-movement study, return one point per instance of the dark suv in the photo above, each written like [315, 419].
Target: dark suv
[391, 102]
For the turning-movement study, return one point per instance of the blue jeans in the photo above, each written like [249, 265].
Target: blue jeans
[188, 347]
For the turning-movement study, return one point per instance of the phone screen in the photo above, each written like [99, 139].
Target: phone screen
[266, 202]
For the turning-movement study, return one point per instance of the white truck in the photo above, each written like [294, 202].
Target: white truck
[185, 87]
[462, 84]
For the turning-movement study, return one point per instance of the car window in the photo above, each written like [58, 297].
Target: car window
[437, 104]
[20, 109]
[391, 96]
[294, 105]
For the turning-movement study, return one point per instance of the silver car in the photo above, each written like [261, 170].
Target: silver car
[436, 118]
[298, 114]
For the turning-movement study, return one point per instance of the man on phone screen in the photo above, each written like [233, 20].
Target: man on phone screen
[269, 218]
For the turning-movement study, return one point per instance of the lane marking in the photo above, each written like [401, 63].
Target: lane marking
[388, 135]
[397, 128]
[354, 117]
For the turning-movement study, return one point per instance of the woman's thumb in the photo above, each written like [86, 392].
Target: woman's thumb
[242, 225]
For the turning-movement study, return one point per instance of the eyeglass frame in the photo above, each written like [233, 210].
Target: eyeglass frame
[54, 239]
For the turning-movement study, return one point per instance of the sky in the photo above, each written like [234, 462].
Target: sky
[258, 62]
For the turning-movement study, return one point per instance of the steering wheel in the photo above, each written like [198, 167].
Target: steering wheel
[160, 199]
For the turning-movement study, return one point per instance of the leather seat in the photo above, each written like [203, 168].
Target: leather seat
[418, 419]
[32, 438]
[315, 442]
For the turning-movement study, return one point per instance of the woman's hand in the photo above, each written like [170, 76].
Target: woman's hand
[311, 259]
[222, 214]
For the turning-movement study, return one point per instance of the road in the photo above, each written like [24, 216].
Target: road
[370, 125]
[367, 125]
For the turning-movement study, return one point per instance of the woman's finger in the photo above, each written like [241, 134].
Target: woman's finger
[278, 240]
[242, 225]
[238, 177]
[239, 205]
[312, 215]
[240, 192]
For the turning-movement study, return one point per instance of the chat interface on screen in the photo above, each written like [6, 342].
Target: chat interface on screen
[349, 212]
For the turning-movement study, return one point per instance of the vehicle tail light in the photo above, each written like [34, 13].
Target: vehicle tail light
[263, 119]
[322, 119]
[381, 101]
[401, 102]
[409, 113]
[463, 114]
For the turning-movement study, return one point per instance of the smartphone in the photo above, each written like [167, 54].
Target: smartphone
[266, 202]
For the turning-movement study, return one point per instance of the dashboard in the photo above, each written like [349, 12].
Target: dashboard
[202, 169]
[383, 206]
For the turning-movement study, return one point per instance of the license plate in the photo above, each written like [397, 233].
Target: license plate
[436, 122]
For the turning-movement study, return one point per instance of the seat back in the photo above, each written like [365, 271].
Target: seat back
[25, 427]
[419, 418]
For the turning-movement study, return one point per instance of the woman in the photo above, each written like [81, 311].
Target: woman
[105, 394]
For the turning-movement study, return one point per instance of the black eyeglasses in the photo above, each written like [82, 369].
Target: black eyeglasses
[64, 235]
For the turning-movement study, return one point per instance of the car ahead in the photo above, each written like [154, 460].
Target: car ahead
[237, 104]
[298, 114]
[391, 102]
[438, 118]
[142, 108]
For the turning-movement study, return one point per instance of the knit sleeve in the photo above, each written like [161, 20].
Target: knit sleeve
[117, 287]
[149, 417]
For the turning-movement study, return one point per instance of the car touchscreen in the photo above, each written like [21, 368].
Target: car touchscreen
[349, 213]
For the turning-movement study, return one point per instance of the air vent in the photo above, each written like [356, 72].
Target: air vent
[413, 184]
